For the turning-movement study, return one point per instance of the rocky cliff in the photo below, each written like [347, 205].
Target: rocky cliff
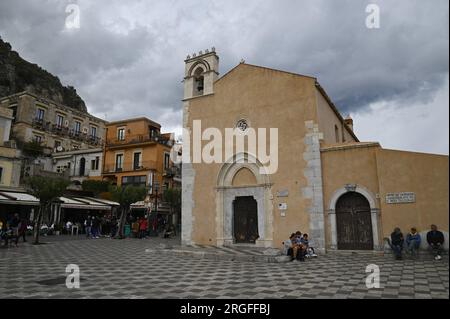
[17, 75]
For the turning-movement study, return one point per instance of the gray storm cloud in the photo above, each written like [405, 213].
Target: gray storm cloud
[127, 57]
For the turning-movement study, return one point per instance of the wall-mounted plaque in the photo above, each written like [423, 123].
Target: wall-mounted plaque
[283, 193]
[400, 198]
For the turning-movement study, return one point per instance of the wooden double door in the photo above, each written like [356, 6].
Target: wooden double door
[245, 220]
[354, 222]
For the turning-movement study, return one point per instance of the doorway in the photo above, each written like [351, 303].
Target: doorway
[354, 223]
[245, 217]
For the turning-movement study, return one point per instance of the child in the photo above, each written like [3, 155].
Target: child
[309, 250]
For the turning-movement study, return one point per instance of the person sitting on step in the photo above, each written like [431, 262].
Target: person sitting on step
[396, 243]
[288, 244]
[435, 239]
[309, 251]
[413, 241]
[298, 249]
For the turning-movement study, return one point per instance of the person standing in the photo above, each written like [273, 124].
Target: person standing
[69, 225]
[23, 227]
[15, 221]
[413, 241]
[397, 242]
[135, 227]
[87, 226]
[435, 239]
[95, 227]
[143, 228]
[113, 227]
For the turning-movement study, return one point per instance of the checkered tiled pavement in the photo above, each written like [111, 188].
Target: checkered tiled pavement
[123, 269]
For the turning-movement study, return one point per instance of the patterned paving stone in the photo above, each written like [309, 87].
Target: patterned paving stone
[123, 269]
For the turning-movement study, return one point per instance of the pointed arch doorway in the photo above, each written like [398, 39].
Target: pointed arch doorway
[243, 205]
[245, 220]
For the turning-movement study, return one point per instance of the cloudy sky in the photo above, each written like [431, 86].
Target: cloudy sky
[126, 59]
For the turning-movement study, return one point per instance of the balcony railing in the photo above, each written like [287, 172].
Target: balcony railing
[64, 131]
[30, 170]
[130, 167]
[173, 171]
[138, 138]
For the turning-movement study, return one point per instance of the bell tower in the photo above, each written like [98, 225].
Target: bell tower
[201, 71]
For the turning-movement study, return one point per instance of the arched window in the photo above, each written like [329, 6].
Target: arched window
[198, 82]
[82, 166]
[336, 133]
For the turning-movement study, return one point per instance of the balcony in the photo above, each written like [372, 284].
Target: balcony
[29, 170]
[64, 131]
[130, 167]
[38, 123]
[138, 139]
[171, 172]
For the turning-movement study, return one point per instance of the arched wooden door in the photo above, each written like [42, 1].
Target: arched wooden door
[245, 220]
[354, 223]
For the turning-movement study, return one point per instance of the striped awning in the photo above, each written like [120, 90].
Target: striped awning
[18, 198]
[87, 203]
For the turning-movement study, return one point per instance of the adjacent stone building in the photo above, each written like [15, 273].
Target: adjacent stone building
[79, 165]
[55, 126]
[9, 155]
[137, 153]
[344, 193]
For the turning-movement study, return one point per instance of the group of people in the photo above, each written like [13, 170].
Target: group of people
[298, 247]
[411, 243]
[95, 227]
[13, 229]
[139, 227]
[92, 227]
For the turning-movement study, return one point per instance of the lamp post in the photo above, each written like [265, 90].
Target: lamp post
[156, 188]
[148, 212]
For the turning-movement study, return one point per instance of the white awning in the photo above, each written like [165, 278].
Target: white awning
[86, 203]
[104, 201]
[138, 205]
[16, 198]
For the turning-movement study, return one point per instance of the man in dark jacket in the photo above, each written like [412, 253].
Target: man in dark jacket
[397, 241]
[435, 239]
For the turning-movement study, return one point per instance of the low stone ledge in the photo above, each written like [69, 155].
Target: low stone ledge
[222, 256]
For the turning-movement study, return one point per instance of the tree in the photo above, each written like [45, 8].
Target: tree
[47, 190]
[172, 196]
[96, 187]
[126, 196]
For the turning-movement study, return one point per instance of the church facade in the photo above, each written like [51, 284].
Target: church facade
[346, 194]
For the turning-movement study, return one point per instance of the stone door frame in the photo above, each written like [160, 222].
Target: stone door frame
[374, 212]
[226, 193]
